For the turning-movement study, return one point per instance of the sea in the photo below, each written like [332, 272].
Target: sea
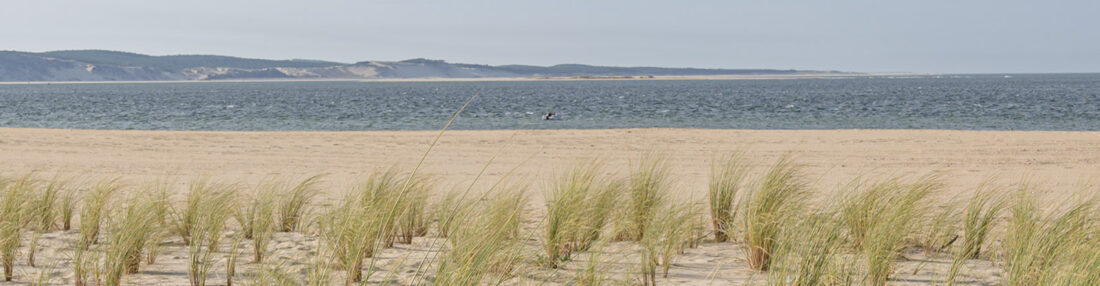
[963, 102]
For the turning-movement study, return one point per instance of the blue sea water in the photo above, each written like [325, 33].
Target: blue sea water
[971, 102]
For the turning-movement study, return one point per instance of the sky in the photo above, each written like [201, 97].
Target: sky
[931, 36]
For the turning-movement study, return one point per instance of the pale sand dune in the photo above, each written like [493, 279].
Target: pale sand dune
[1059, 161]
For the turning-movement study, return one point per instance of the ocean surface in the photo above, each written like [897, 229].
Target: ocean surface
[971, 102]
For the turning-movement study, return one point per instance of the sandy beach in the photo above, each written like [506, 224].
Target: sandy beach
[1059, 162]
[964, 158]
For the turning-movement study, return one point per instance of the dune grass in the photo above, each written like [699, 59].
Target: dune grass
[44, 207]
[203, 220]
[674, 233]
[726, 175]
[483, 245]
[160, 209]
[413, 218]
[67, 205]
[368, 217]
[566, 212]
[596, 269]
[42, 212]
[352, 229]
[256, 217]
[646, 190]
[94, 210]
[128, 235]
[809, 253]
[666, 237]
[981, 211]
[446, 210]
[88, 265]
[886, 235]
[231, 258]
[1036, 245]
[294, 204]
[262, 225]
[938, 230]
[858, 240]
[767, 208]
[13, 215]
[200, 194]
[384, 194]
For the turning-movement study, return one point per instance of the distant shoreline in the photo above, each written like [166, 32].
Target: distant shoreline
[500, 79]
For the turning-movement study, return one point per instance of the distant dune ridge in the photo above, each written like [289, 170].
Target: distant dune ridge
[100, 65]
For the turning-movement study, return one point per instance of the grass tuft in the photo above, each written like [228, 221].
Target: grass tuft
[981, 211]
[1036, 245]
[484, 245]
[888, 229]
[203, 220]
[14, 203]
[294, 204]
[810, 253]
[767, 209]
[646, 190]
[566, 213]
[94, 211]
[726, 175]
[128, 237]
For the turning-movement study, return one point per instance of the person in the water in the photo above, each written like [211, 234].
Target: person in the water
[550, 116]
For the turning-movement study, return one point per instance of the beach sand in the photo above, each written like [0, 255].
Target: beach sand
[964, 158]
[1059, 162]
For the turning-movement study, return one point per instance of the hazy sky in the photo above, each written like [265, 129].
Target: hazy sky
[873, 36]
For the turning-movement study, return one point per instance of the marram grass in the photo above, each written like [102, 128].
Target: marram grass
[129, 232]
[886, 236]
[981, 212]
[566, 212]
[1037, 244]
[96, 205]
[13, 210]
[647, 190]
[726, 176]
[294, 204]
[767, 209]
